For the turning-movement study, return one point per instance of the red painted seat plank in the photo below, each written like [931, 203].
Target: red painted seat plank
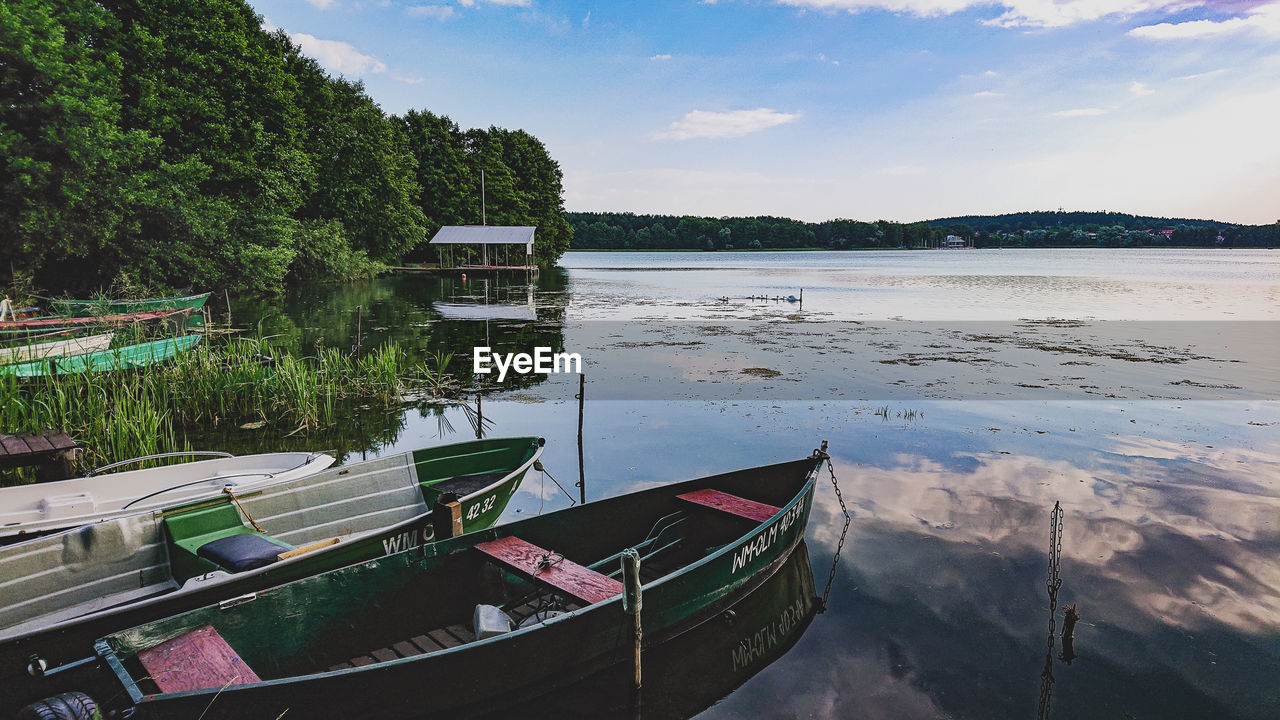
[566, 576]
[731, 504]
[198, 660]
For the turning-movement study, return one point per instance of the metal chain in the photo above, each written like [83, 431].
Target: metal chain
[835, 561]
[1053, 584]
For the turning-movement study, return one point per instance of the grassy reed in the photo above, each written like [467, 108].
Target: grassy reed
[128, 414]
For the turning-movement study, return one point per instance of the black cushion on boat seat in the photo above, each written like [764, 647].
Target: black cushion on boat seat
[242, 551]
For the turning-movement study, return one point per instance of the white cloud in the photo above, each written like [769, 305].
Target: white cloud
[1079, 112]
[663, 56]
[1138, 88]
[435, 12]
[987, 93]
[733, 123]
[509, 3]
[321, 4]
[337, 56]
[903, 170]
[1264, 19]
[1197, 76]
[1017, 13]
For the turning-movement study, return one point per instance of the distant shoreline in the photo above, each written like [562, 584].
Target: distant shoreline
[884, 249]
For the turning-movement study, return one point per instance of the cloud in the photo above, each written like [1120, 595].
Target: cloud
[337, 56]
[1138, 88]
[987, 93]
[903, 170]
[1264, 19]
[435, 12]
[1017, 13]
[321, 4]
[414, 80]
[663, 56]
[733, 123]
[1079, 112]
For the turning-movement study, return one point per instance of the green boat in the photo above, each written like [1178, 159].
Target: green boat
[62, 591]
[464, 623]
[722, 654]
[71, 308]
[128, 357]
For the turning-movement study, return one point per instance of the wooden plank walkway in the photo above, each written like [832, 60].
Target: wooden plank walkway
[53, 450]
[561, 574]
[732, 504]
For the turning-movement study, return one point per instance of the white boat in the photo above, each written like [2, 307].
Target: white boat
[45, 507]
[57, 348]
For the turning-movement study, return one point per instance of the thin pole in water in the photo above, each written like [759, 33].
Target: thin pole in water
[582, 475]
[359, 317]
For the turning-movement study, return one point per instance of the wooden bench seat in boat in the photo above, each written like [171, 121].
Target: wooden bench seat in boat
[197, 660]
[731, 504]
[565, 576]
[217, 534]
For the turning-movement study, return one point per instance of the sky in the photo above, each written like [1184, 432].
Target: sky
[863, 109]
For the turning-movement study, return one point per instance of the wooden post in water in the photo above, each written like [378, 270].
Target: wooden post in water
[582, 475]
[359, 317]
[446, 516]
[632, 601]
[479, 414]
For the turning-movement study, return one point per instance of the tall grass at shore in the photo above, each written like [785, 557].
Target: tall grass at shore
[120, 415]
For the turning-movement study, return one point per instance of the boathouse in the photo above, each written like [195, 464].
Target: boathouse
[485, 247]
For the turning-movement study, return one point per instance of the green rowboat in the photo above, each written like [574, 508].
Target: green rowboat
[122, 358]
[61, 591]
[72, 308]
[464, 623]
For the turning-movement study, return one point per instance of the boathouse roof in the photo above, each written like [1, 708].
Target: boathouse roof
[485, 235]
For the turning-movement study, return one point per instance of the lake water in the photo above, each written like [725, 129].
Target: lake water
[963, 393]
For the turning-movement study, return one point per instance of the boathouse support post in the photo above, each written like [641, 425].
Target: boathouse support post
[631, 603]
[446, 516]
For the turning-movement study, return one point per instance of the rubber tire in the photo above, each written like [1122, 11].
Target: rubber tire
[66, 706]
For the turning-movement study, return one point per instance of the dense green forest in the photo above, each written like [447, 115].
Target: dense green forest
[180, 143]
[626, 231]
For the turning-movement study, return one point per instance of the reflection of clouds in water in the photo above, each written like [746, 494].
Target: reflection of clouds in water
[1181, 554]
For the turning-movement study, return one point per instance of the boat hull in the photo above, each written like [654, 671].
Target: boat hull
[57, 348]
[129, 357]
[81, 307]
[497, 671]
[67, 641]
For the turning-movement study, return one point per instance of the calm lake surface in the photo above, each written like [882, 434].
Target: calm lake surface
[962, 393]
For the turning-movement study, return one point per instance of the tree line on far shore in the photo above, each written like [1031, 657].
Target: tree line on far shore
[180, 144]
[628, 231]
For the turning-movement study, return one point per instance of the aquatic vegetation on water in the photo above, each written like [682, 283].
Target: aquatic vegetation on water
[244, 381]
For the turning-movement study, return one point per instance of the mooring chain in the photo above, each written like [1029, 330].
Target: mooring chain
[1053, 584]
[835, 561]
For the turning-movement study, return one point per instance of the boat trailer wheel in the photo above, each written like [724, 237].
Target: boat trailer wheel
[66, 706]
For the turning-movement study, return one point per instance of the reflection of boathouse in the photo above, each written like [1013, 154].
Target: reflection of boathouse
[485, 247]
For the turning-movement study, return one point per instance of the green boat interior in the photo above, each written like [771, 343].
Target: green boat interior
[106, 564]
[449, 594]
